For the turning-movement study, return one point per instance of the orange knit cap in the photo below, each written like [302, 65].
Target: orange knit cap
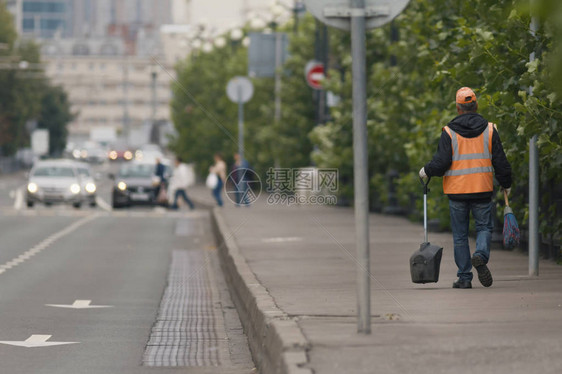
[465, 95]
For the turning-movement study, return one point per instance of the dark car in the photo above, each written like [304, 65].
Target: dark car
[120, 152]
[135, 183]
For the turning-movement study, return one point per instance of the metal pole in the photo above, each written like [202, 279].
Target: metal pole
[154, 97]
[240, 173]
[126, 100]
[323, 57]
[360, 165]
[278, 56]
[425, 215]
[533, 208]
[278, 63]
[533, 185]
[241, 129]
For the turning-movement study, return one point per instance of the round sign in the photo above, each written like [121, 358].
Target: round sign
[240, 90]
[314, 73]
[338, 13]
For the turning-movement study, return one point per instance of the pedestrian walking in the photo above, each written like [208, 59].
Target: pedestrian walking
[179, 182]
[218, 168]
[469, 153]
[240, 179]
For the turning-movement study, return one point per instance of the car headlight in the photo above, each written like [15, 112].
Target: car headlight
[75, 188]
[90, 187]
[113, 155]
[32, 187]
[76, 153]
[128, 155]
[122, 186]
[84, 153]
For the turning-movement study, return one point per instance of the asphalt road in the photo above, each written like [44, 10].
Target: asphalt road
[121, 259]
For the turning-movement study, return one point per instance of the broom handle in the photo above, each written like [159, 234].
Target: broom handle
[505, 197]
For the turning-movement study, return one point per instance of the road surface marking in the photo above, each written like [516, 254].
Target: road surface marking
[45, 243]
[102, 204]
[282, 240]
[36, 341]
[18, 202]
[80, 304]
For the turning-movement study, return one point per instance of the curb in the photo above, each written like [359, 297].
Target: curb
[277, 343]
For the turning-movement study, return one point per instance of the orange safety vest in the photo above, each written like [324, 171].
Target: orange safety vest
[471, 170]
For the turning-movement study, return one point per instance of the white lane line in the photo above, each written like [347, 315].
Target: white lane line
[103, 204]
[18, 202]
[282, 239]
[46, 243]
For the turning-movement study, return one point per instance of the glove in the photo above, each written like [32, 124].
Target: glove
[422, 173]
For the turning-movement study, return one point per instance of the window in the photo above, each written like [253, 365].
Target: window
[54, 171]
[44, 7]
[108, 50]
[28, 24]
[52, 24]
[80, 50]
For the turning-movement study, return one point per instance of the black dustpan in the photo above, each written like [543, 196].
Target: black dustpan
[426, 261]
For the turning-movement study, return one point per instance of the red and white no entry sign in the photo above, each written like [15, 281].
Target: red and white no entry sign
[314, 73]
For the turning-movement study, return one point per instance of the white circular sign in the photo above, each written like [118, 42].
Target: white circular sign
[338, 13]
[240, 90]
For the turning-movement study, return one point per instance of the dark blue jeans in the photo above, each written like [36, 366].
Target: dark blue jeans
[242, 189]
[482, 213]
[217, 192]
[183, 194]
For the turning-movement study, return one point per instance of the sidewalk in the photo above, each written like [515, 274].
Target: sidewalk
[293, 273]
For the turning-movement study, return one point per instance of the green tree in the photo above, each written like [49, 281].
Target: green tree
[54, 116]
[25, 92]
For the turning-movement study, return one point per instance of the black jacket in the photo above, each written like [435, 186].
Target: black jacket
[469, 125]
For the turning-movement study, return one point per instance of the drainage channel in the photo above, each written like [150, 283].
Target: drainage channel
[195, 326]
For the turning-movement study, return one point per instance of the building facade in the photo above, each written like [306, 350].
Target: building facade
[115, 58]
[107, 88]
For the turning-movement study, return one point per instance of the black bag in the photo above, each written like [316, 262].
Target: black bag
[426, 261]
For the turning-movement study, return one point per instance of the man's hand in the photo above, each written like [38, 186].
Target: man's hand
[508, 190]
[422, 173]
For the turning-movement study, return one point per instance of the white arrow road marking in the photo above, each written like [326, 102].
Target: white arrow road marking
[45, 243]
[36, 341]
[80, 304]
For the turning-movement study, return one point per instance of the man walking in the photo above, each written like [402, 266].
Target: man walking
[469, 153]
[179, 182]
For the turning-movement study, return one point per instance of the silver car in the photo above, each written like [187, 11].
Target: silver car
[87, 182]
[57, 181]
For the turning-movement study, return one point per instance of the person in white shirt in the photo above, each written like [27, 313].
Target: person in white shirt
[179, 182]
[219, 168]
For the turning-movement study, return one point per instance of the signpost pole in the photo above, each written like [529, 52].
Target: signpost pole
[360, 165]
[356, 16]
[240, 124]
[533, 185]
[240, 144]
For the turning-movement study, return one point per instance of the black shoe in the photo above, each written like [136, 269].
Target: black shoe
[459, 283]
[484, 275]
